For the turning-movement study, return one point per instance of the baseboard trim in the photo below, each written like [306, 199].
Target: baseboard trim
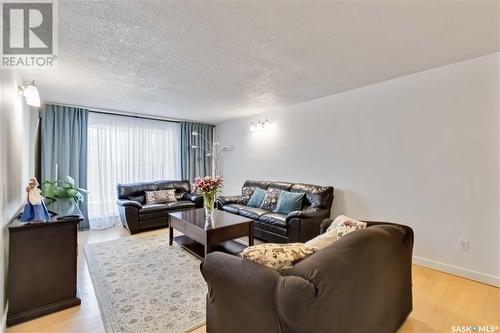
[460, 271]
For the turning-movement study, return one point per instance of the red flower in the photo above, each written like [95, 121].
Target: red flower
[208, 184]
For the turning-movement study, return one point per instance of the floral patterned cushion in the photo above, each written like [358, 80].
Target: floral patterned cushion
[344, 225]
[162, 196]
[246, 194]
[271, 200]
[279, 257]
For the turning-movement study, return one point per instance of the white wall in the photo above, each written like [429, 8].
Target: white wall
[17, 122]
[421, 150]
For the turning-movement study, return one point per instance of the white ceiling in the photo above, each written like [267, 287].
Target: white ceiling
[212, 61]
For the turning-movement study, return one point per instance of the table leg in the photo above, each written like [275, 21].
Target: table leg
[208, 249]
[171, 235]
[250, 235]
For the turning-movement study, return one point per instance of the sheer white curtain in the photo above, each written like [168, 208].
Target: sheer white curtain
[123, 150]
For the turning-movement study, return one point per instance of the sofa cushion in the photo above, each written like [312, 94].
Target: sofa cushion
[134, 189]
[274, 219]
[160, 196]
[153, 208]
[284, 186]
[257, 198]
[181, 204]
[233, 208]
[289, 201]
[316, 196]
[271, 199]
[158, 208]
[249, 186]
[246, 194]
[344, 225]
[324, 240]
[253, 213]
[280, 257]
[181, 187]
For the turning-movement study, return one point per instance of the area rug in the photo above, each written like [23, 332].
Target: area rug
[144, 285]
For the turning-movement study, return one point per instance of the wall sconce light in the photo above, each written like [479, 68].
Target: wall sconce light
[260, 125]
[30, 92]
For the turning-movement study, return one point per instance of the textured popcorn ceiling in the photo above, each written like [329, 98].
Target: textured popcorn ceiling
[213, 61]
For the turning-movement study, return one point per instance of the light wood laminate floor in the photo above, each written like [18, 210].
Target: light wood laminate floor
[440, 300]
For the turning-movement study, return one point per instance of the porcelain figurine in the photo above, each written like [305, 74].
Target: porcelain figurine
[34, 209]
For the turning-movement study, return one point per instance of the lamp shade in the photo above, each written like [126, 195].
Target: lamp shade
[31, 95]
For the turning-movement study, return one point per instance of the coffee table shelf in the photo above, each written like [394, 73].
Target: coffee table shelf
[200, 239]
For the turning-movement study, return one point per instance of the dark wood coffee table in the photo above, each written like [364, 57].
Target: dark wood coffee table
[201, 239]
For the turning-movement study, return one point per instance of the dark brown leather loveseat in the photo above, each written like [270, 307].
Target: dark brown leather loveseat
[361, 283]
[297, 226]
[137, 216]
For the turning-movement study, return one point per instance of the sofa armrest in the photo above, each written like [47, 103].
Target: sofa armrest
[239, 286]
[125, 203]
[228, 199]
[129, 214]
[194, 197]
[304, 225]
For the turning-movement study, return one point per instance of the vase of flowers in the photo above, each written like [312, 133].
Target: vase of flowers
[209, 187]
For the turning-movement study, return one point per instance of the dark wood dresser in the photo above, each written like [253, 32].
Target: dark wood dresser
[43, 264]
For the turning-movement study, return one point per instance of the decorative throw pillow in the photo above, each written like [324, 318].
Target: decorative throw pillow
[257, 198]
[271, 200]
[344, 225]
[162, 196]
[323, 240]
[289, 201]
[279, 257]
[246, 194]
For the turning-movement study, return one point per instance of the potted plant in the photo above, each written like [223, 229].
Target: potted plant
[62, 189]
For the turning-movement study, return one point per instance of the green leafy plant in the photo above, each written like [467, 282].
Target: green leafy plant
[59, 189]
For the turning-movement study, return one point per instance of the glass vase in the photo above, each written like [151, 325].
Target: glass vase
[209, 204]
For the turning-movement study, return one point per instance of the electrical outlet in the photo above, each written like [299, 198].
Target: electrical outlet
[463, 245]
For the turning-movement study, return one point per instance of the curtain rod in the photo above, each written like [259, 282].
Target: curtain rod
[126, 114]
[133, 116]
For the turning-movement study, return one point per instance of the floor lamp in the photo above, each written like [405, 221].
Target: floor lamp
[214, 154]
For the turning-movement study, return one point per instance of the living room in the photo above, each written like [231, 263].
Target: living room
[250, 166]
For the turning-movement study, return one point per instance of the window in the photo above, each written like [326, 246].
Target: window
[125, 150]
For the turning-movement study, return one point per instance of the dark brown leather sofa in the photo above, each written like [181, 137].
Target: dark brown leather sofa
[137, 216]
[297, 226]
[361, 283]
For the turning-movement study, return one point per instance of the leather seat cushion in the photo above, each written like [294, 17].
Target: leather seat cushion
[165, 208]
[276, 219]
[153, 208]
[181, 204]
[233, 208]
[253, 213]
